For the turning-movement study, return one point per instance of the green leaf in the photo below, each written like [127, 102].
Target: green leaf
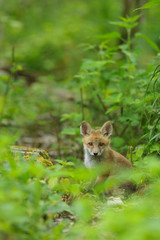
[114, 98]
[65, 163]
[112, 109]
[155, 136]
[70, 131]
[83, 209]
[91, 65]
[149, 41]
[130, 19]
[118, 142]
[155, 148]
[139, 151]
[59, 206]
[152, 3]
[125, 25]
[109, 36]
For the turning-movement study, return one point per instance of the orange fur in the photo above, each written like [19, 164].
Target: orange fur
[97, 149]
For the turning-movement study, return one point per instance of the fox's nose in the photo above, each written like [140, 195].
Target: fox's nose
[95, 154]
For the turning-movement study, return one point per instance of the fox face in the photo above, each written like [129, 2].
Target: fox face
[96, 141]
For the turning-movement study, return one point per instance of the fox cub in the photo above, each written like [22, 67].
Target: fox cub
[97, 148]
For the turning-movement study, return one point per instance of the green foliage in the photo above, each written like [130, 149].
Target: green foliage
[150, 4]
[58, 202]
[44, 44]
[117, 88]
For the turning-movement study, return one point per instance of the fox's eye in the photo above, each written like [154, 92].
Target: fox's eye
[90, 144]
[101, 144]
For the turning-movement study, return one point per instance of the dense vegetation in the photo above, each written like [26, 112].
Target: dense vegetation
[62, 62]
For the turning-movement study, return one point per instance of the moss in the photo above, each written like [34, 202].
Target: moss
[27, 152]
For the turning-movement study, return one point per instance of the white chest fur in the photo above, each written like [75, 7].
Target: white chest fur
[89, 160]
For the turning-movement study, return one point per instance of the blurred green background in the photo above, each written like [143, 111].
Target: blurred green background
[62, 62]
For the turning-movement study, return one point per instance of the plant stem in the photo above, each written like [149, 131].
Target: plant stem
[104, 108]
[101, 102]
[130, 150]
[7, 87]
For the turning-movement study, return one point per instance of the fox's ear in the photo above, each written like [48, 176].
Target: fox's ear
[106, 129]
[85, 128]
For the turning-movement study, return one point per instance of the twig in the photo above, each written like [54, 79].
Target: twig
[123, 131]
[115, 129]
[104, 109]
[30, 78]
[100, 100]
[121, 110]
[9, 125]
[130, 151]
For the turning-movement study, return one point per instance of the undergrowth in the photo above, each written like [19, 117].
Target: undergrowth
[39, 109]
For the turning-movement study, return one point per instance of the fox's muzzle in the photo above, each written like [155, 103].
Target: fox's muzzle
[95, 154]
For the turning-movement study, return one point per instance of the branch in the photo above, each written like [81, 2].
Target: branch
[31, 78]
[123, 131]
